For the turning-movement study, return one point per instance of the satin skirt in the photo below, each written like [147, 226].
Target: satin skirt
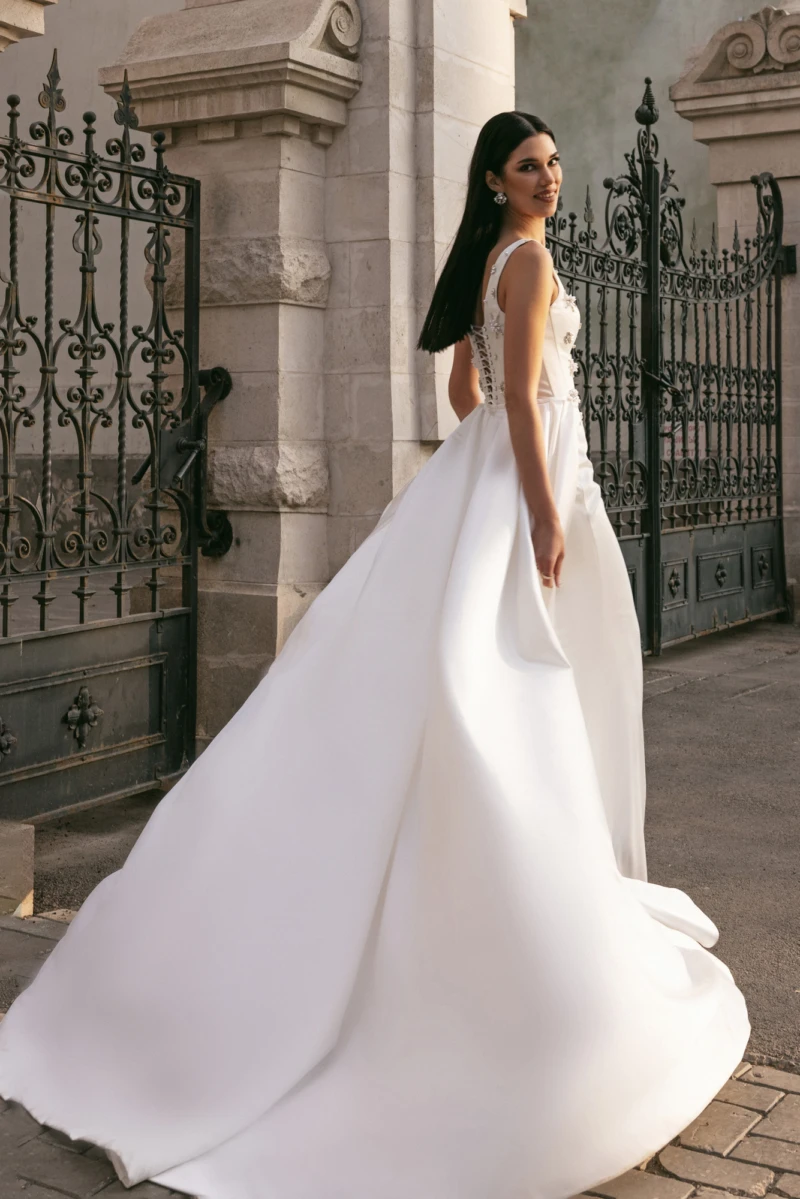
[447, 976]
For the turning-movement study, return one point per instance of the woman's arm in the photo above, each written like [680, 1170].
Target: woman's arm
[528, 279]
[463, 388]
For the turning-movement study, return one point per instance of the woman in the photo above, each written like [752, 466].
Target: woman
[446, 977]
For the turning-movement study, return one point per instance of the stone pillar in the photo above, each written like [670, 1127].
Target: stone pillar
[331, 138]
[742, 95]
[21, 18]
[434, 72]
[249, 95]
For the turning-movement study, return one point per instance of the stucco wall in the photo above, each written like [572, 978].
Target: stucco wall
[580, 65]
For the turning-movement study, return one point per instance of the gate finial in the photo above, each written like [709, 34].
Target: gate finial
[647, 113]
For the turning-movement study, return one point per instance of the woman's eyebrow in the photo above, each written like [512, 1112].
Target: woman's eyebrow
[536, 161]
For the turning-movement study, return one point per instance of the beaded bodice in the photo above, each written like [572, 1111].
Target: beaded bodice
[558, 367]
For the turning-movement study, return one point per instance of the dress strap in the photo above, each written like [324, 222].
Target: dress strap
[497, 270]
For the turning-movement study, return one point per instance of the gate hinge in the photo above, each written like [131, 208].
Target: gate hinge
[183, 446]
[214, 531]
[789, 260]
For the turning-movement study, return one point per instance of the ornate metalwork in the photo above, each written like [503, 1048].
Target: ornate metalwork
[7, 740]
[82, 715]
[83, 398]
[678, 361]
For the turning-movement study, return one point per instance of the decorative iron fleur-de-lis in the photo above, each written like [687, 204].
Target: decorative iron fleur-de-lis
[83, 715]
[763, 564]
[125, 116]
[7, 739]
[51, 96]
[720, 574]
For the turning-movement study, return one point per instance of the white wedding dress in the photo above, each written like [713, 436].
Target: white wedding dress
[445, 976]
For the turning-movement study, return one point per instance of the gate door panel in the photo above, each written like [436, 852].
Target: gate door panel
[102, 432]
[678, 362]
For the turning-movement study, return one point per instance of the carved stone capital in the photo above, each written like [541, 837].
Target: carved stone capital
[21, 18]
[749, 66]
[291, 65]
[768, 40]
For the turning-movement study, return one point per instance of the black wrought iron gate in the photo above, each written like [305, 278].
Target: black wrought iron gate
[102, 428]
[679, 368]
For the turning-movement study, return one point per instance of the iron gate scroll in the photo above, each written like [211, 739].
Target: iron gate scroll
[679, 367]
[103, 431]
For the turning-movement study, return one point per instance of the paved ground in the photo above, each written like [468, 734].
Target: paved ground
[722, 731]
[722, 718]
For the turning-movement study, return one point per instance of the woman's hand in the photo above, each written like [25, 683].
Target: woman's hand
[548, 549]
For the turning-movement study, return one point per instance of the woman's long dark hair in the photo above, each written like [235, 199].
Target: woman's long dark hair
[455, 296]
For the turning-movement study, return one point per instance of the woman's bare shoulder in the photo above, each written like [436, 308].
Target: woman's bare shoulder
[532, 273]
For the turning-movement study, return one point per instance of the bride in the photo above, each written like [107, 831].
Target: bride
[446, 976]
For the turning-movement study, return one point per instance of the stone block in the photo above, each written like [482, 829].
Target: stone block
[369, 138]
[408, 457]
[243, 203]
[273, 477]
[371, 281]
[360, 479]
[250, 413]
[718, 1128]
[293, 603]
[223, 684]
[718, 1172]
[339, 288]
[403, 207]
[255, 270]
[402, 77]
[488, 43]
[241, 338]
[302, 205]
[357, 339]
[783, 1122]
[300, 347]
[236, 621]
[403, 142]
[375, 58]
[356, 207]
[459, 88]
[765, 1151]
[758, 1099]
[638, 1184]
[444, 146]
[406, 417]
[304, 552]
[345, 535]
[21, 19]
[789, 1184]
[781, 1080]
[370, 407]
[16, 868]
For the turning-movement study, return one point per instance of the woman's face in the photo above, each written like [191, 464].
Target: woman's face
[532, 177]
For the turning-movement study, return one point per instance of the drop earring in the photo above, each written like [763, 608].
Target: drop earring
[500, 197]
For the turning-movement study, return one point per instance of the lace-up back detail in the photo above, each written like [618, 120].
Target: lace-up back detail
[556, 382]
